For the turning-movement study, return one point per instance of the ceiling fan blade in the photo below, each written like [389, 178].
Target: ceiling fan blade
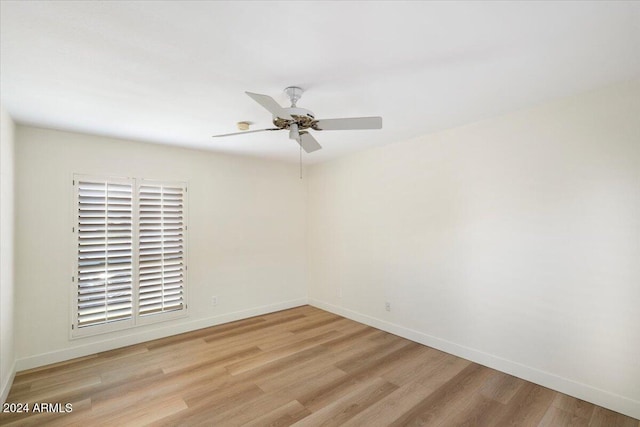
[270, 104]
[308, 142]
[243, 132]
[349, 124]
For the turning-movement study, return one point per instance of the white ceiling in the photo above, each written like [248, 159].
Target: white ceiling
[176, 72]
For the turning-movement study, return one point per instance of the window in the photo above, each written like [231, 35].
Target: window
[161, 249]
[104, 272]
[130, 263]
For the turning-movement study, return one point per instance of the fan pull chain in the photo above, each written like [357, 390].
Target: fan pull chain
[301, 162]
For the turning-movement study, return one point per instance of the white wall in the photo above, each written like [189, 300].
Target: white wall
[247, 234]
[7, 354]
[514, 242]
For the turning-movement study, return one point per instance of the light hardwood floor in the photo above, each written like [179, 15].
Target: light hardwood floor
[302, 366]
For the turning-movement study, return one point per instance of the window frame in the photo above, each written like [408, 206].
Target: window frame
[136, 319]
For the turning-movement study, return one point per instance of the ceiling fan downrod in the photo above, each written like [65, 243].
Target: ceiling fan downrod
[294, 93]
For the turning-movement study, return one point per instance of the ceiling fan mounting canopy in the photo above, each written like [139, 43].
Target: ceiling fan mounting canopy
[297, 120]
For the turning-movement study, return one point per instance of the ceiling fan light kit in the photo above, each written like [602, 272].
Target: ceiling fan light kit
[298, 120]
[293, 131]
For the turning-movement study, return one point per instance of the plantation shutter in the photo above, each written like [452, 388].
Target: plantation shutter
[105, 252]
[161, 236]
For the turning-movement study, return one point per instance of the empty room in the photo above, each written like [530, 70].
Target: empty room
[320, 213]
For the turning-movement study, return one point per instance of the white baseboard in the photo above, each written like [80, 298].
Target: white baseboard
[4, 391]
[621, 404]
[133, 337]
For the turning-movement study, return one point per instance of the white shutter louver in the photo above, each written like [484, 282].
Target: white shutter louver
[161, 262]
[105, 253]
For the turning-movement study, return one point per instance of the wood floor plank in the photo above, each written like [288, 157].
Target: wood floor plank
[433, 409]
[266, 357]
[434, 376]
[285, 415]
[44, 418]
[210, 357]
[47, 370]
[300, 366]
[574, 406]
[343, 352]
[154, 411]
[258, 337]
[359, 373]
[359, 362]
[162, 382]
[558, 417]
[49, 393]
[528, 406]
[346, 341]
[247, 410]
[389, 408]
[603, 417]
[429, 361]
[341, 410]
[501, 387]
[338, 328]
[233, 327]
[310, 384]
[286, 367]
[477, 410]
[317, 324]
[207, 403]
[215, 334]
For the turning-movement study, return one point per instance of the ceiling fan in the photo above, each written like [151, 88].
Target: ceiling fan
[299, 120]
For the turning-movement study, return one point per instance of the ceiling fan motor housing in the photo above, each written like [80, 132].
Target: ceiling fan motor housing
[301, 116]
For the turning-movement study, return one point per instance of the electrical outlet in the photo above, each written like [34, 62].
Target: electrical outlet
[214, 301]
[387, 306]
